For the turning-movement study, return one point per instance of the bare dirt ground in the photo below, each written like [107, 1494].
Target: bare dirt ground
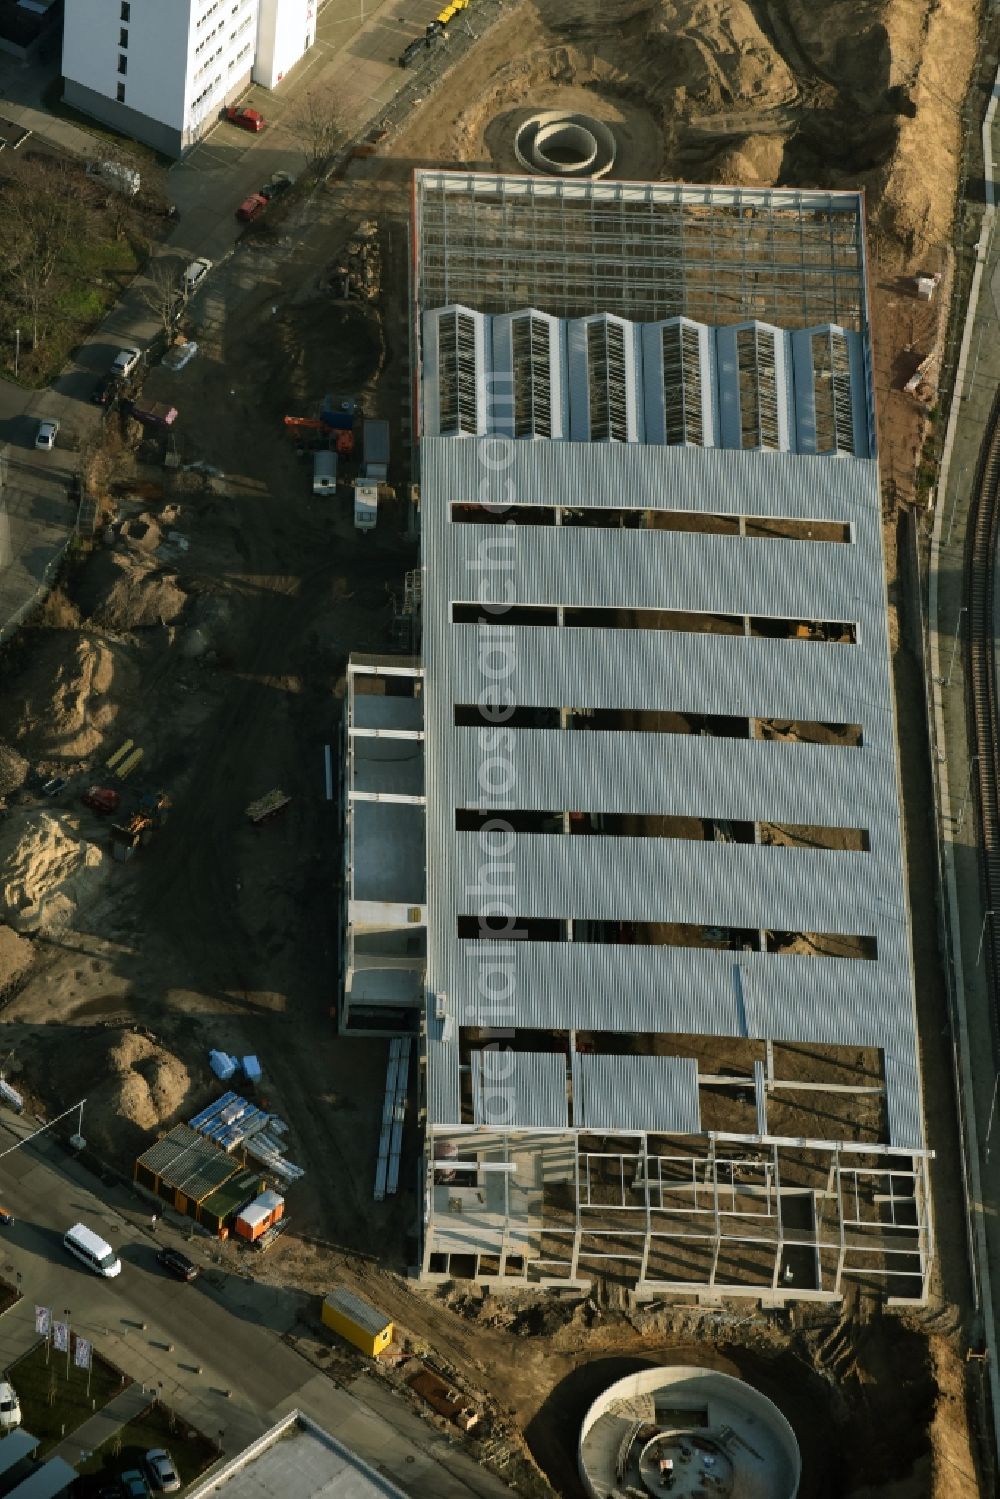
[223, 660]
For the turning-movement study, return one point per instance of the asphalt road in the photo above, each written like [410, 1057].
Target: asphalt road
[212, 1349]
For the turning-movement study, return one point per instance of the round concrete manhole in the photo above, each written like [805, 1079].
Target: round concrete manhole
[565, 145]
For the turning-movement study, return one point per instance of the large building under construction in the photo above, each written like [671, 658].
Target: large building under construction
[623, 843]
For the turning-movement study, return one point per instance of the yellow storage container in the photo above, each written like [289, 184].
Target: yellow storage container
[444, 16]
[356, 1321]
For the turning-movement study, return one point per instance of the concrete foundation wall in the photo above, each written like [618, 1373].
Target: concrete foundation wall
[140, 127]
[124, 119]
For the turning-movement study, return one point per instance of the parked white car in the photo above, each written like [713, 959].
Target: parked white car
[195, 273]
[45, 437]
[125, 362]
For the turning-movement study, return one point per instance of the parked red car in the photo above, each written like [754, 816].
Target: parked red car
[251, 207]
[247, 119]
[101, 799]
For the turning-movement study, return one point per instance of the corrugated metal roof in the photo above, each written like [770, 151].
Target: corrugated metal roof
[189, 1162]
[52, 1478]
[626, 569]
[576, 985]
[679, 775]
[636, 1093]
[360, 1312]
[519, 1089]
[665, 879]
[166, 1150]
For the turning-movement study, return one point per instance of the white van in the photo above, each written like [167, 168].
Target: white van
[93, 1251]
[10, 1407]
[117, 175]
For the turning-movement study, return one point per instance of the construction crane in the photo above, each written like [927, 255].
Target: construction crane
[343, 437]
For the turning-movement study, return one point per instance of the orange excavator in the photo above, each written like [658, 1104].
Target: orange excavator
[343, 437]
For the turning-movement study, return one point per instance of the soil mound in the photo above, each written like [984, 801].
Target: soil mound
[148, 1085]
[13, 769]
[16, 956]
[129, 590]
[755, 161]
[47, 871]
[67, 699]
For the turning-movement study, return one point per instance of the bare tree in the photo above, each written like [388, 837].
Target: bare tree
[319, 127]
[163, 291]
[43, 224]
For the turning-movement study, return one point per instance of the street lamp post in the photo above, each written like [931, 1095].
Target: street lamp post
[982, 936]
[967, 793]
[945, 681]
[954, 506]
[993, 1106]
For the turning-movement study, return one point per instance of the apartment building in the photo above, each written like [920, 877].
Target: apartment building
[161, 72]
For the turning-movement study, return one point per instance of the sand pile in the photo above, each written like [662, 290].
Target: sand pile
[47, 871]
[131, 591]
[716, 54]
[67, 699]
[148, 1084]
[16, 955]
[13, 769]
[847, 94]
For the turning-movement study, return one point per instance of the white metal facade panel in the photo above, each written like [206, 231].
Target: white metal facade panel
[777, 343]
[502, 374]
[579, 360]
[437, 333]
[805, 393]
[519, 1089]
[635, 1093]
[654, 380]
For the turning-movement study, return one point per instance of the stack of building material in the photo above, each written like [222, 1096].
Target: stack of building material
[393, 1114]
[233, 1121]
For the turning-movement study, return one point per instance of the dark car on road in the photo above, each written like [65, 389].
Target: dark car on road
[178, 1264]
[134, 1485]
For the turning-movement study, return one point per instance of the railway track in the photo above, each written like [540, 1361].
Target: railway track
[981, 690]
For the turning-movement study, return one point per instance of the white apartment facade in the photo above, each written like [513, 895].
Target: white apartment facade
[162, 72]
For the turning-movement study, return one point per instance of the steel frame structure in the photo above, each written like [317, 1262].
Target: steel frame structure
[709, 1206]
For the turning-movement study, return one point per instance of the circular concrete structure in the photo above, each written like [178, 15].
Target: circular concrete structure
[565, 145]
[687, 1431]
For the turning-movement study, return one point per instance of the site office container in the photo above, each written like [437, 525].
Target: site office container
[355, 1320]
[260, 1215]
[325, 473]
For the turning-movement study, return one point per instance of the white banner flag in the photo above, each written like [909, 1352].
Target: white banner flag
[82, 1353]
[60, 1337]
[43, 1321]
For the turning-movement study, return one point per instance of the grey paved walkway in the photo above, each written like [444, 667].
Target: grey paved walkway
[101, 1427]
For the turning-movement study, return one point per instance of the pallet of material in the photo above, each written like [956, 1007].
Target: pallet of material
[267, 806]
